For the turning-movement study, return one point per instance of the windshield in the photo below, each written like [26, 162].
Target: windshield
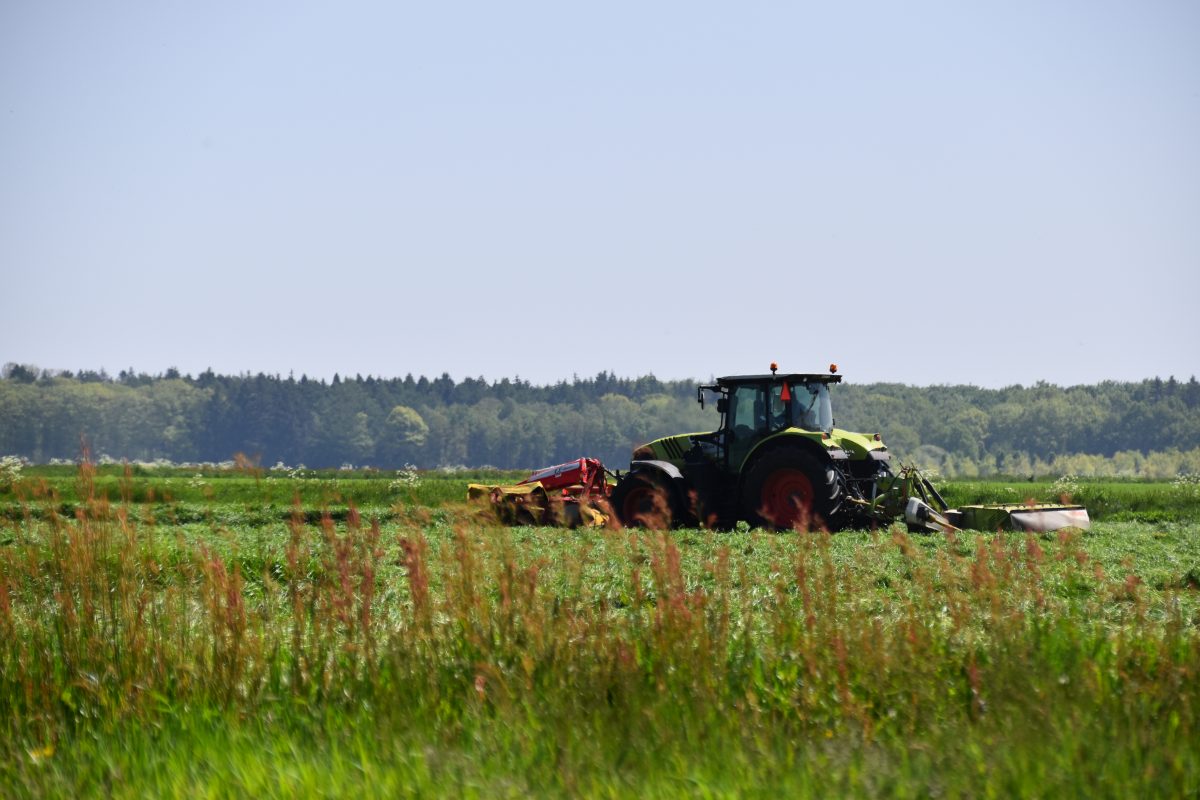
[811, 408]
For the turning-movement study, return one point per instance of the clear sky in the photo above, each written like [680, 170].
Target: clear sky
[978, 192]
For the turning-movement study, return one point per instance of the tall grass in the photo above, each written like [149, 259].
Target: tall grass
[441, 654]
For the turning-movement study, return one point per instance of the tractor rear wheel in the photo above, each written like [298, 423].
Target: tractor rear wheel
[791, 489]
[642, 500]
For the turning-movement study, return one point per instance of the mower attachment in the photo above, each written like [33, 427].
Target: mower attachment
[1018, 517]
[563, 494]
[911, 495]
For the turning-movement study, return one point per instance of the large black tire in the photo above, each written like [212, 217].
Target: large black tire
[791, 489]
[645, 500]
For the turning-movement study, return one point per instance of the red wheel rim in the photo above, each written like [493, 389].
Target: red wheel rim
[787, 498]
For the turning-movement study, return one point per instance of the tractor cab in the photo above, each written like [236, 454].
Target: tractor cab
[754, 407]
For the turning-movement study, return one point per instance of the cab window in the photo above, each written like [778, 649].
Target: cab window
[747, 412]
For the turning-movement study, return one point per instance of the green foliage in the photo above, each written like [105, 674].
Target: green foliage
[1147, 429]
[434, 654]
[405, 435]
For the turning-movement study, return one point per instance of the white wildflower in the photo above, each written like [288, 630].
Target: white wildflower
[10, 470]
[406, 478]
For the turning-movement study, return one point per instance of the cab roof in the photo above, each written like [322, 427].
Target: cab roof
[790, 377]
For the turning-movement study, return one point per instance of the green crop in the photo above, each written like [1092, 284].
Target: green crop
[249, 640]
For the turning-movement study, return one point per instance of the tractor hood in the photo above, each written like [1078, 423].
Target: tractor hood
[860, 445]
[668, 448]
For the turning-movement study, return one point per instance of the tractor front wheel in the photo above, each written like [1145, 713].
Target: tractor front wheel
[791, 489]
[643, 501]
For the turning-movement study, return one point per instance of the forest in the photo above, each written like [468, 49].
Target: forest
[1149, 428]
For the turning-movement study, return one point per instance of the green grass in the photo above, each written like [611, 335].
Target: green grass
[257, 497]
[237, 643]
[254, 487]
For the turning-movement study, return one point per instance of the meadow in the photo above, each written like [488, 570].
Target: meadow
[225, 632]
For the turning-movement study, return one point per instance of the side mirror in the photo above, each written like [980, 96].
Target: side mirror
[723, 405]
[700, 396]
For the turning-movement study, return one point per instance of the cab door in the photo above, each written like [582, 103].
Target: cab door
[747, 421]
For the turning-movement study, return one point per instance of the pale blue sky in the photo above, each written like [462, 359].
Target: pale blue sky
[986, 193]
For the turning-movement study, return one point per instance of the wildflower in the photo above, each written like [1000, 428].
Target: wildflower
[1065, 488]
[1187, 484]
[40, 754]
[406, 478]
[10, 470]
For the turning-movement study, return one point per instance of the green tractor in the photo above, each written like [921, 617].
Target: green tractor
[777, 460]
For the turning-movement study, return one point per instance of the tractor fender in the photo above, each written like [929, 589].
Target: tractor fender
[790, 440]
[665, 467]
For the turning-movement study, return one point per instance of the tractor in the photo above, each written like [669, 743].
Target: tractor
[778, 461]
[775, 461]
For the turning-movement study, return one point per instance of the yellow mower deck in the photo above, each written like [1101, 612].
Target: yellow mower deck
[531, 504]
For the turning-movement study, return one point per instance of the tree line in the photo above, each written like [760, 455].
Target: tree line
[389, 422]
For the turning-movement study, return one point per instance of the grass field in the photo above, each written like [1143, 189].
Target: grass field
[234, 633]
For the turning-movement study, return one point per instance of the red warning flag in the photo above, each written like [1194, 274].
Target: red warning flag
[786, 394]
